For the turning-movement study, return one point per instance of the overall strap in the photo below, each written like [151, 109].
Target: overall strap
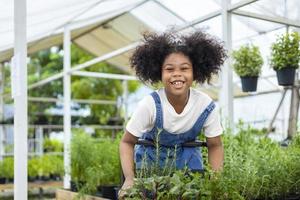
[159, 113]
[202, 118]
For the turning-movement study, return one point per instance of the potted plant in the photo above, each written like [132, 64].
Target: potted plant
[110, 174]
[2, 174]
[82, 159]
[8, 169]
[285, 56]
[247, 64]
[33, 169]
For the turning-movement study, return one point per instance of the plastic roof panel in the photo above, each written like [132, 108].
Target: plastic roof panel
[191, 9]
[47, 18]
[276, 8]
[106, 38]
[157, 17]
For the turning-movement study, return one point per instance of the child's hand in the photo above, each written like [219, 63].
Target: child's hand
[126, 185]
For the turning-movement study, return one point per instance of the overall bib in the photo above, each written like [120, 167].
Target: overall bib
[171, 152]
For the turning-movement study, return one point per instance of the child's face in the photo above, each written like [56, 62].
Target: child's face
[177, 74]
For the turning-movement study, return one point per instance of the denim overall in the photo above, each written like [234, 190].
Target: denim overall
[170, 145]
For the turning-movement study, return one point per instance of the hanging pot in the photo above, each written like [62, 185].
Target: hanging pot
[286, 76]
[249, 83]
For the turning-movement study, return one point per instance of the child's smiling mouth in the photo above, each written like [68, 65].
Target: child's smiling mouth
[177, 84]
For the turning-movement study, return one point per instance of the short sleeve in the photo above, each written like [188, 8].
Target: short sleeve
[212, 126]
[142, 119]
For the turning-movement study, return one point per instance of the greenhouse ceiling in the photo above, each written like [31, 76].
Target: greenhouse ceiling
[102, 26]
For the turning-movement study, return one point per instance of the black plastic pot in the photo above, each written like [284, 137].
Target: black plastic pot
[286, 76]
[2, 180]
[75, 186]
[249, 83]
[110, 191]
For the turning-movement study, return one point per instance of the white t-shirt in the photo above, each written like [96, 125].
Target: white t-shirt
[143, 118]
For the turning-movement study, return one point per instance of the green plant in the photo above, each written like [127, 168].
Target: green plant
[108, 156]
[8, 167]
[285, 51]
[95, 162]
[247, 61]
[52, 145]
[46, 165]
[1, 170]
[82, 150]
[57, 166]
[254, 168]
[33, 167]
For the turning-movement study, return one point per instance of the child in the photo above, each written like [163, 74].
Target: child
[177, 109]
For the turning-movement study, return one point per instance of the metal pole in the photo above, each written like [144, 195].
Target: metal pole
[125, 98]
[19, 92]
[226, 91]
[2, 133]
[67, 107]
[294, 108]
[276, 112]
[39, 142]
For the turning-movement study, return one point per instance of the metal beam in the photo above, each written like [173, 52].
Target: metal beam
[67, 107]
[46, 80]
[83, 101]
[104, 75]
[104, 57]
[86, 64]
[226, 92]
[278, 20]
[200, 20]
[240, 4]
[2, 130]
[169, 10]
[19, 92]
[95, 19]
[217, 13]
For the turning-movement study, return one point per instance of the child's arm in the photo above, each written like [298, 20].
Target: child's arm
[126, 154]
[215, 152]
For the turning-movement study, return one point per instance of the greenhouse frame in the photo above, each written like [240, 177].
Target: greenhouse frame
[110, 30]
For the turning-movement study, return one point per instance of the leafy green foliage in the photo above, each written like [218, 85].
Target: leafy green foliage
[8, 167]
[247, 61]
[94, 162]
[52, 145]
[285, 52]
[46, 165]
[255, 168]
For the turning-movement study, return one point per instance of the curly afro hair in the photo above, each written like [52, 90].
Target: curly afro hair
[206, 54]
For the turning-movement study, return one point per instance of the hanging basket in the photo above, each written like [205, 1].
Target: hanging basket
[249, 83]
[286, 76]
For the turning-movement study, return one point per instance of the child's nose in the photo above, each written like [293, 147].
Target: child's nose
[177, 72]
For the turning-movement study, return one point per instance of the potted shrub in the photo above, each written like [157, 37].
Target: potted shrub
[33, 169]
[110, 174]
[82, 159]
[285, 56]
[52, 145]
[2, 174]
[95, 166]
[8, 169]
[247, 64]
